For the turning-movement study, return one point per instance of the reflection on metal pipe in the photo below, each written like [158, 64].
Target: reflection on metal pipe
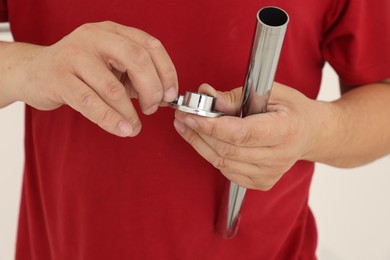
[267, 44]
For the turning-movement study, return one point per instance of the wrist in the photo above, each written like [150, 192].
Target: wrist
[13, 57]
[6, 92]
[324, 134]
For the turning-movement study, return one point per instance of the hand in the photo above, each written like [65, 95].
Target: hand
[257, 150]
[96, 70]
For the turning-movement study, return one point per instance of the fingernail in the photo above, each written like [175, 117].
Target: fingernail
[190, 122]
[151, 110]
[136, 131]
[170, 94]
[125, 129]
[179, 126]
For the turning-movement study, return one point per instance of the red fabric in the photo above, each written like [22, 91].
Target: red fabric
[90, 195]
[3, 11]
[355, 45]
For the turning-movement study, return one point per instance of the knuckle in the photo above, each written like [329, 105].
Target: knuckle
[114, 90]
[209, 129]
[139, 55]
[191, 137]
[106, 118]
[219, 162]
[225, 150]
[87, 98]
[152, 42]
[170, 74]
[106, 23]
[242, 136]
[86, 28]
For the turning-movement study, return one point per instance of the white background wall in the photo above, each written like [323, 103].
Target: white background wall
[352, 207]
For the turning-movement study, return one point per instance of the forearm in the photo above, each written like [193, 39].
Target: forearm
[355, 129]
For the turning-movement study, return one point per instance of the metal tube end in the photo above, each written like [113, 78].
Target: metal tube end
[272, 16]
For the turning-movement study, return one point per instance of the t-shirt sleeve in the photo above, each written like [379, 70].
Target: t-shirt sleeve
[3, 11]
[357, 40]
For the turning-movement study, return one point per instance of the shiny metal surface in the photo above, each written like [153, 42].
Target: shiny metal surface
[267, 45]
[196, 103]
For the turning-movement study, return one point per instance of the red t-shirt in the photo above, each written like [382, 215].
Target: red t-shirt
[90, 195]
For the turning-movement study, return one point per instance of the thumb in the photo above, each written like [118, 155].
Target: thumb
[228, 102]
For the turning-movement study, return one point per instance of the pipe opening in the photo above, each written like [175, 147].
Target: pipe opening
[273, 16]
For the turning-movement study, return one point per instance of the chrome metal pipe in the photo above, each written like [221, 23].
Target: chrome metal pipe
[267, 44]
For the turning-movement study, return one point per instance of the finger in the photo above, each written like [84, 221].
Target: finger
[124, 79]
[83, 99]
[128, 56]
[244, 174]
[228, 102]
[257, 155]
[208, 153]
[140, 70]
[252, 131]
[98, 76]
[164, 65]
[249, 182]
[269, 158]
[245, 154]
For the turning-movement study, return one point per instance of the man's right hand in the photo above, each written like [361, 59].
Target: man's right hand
[96, 69]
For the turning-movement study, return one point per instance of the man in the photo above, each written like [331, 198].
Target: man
[88, 194]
